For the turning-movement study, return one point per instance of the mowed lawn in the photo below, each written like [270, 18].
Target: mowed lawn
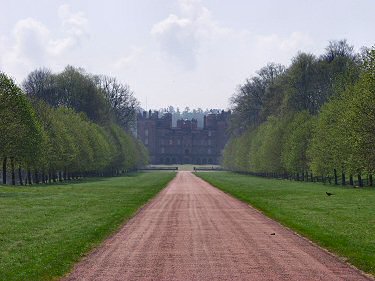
[45, 229]
[343, 223]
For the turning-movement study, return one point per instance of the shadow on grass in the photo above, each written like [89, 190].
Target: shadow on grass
[74, 181]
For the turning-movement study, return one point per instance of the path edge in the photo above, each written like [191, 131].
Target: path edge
[115, 231]
[332, 254]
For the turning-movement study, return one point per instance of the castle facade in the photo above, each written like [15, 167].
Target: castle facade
[185, 143]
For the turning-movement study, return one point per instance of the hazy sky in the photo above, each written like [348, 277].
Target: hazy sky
[182, 53]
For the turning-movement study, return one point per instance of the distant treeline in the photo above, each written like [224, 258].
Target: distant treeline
[316, 116]
[188, 113]
[66, 125]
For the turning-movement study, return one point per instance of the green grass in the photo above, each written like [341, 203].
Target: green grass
[343, 223]
[44, 230]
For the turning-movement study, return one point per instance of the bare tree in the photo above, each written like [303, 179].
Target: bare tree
[121, 99]
[40, 84]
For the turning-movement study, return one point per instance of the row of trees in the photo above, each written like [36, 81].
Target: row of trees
[66, 125]
[187, 113]
[316, 116]
[102, 98]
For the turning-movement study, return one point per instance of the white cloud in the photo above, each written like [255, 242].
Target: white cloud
[192, 35]
[31, 39]
[181, 37]
[294, 42]
[32, 44]
[201, 60]
[128, 60]
[74, 24]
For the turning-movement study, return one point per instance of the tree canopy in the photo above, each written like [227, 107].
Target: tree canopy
[317, 115]
[67, 125]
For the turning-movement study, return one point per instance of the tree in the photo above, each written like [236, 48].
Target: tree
[297, 138]
[123, 105]
[337, 49]
[265, 152]
[251, 98]
[318, 114]
[40, 84]
[360, 117]
[71, 88]
[21, 134]
[303, 90]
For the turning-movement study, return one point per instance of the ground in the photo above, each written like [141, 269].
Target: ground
[193, 231]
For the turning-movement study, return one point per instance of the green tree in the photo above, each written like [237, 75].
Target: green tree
[297, 137]
[265, 151]
[21, 134]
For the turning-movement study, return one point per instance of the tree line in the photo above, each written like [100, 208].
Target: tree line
[67, 125]
[313, 119]
[188, 113]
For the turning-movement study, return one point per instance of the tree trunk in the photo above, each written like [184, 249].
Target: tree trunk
[29, 176]
[36, 177]
[5, 170]
[370, 180]
[343, 180]
[13, 171]
[20, 175]
[360, 180]
[335, 175]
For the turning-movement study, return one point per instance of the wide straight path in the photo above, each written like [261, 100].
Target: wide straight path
[192, 231]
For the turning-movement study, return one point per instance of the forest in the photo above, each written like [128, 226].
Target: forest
[61, 126]
[312, 120]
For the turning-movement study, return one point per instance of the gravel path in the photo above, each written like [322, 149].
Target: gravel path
[192, 231]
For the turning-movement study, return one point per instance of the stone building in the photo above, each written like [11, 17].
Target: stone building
[185, 143]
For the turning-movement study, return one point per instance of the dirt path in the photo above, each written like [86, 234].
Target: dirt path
[192, 231]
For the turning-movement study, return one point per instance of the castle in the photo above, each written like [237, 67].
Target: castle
[186, 143]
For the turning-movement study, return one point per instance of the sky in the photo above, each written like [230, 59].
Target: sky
[184, 53]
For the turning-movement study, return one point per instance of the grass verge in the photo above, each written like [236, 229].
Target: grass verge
[44, 230]
[344, 223]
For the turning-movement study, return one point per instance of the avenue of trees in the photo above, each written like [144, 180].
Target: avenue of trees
[67, 125]
[313, 118]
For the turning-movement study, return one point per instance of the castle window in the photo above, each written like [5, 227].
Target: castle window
[209, 151]
[146, 132]
[209, 133]
[162, 150]
[146, 141]
[178, 142]
[170, 142]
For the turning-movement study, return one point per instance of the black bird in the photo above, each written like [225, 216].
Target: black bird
[273, 233]
[329, 194]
